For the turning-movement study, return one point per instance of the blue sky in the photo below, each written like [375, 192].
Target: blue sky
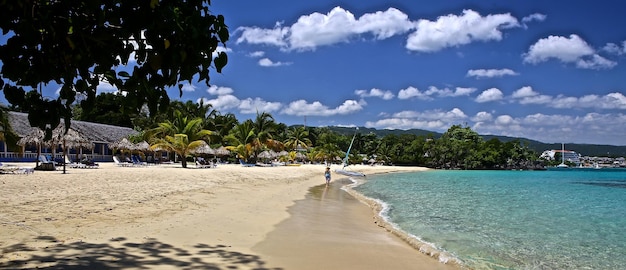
[553, 71]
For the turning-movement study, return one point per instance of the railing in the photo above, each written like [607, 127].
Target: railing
[32, 157]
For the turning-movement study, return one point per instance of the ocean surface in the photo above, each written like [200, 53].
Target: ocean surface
[511, 219]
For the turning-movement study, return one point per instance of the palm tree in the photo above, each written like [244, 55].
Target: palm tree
[241, 139]
[297, 137]
[180, 136]
[264, 129]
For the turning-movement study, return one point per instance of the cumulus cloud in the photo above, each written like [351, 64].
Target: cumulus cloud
[338, 25]
[490, 73]
[374, 92]
[223, 102]
[189, 87]
[534, 17]
[432, 91]
[482, 117]
[615, 49]
[526, 95]
[455, 30]
[611, 101]
[257, 54]
[412, 92]
[266, 62]
[431, 120]
[591, 127]
[316, 108]
[219, 90]
[491, 94]
[568, 50]
[251, 106]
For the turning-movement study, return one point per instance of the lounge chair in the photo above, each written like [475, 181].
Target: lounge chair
[46, 165]
[12, 169]
[117, 162]
[138, 162]
[73, 164]
[246, 164]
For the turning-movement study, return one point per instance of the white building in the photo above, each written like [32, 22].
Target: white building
[568, 155]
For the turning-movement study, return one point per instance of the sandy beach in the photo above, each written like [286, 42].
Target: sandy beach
[167, 217]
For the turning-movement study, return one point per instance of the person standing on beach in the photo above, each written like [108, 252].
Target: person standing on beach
[327, 175]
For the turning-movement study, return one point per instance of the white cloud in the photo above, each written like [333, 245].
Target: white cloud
[491, 94]
[266, 62]
[612, 101]
[613, 48]
[430, 120]
[257, 54]
[412, 92]
[303, 108]
[215, 90]
[482, 117]
[375, 92]
[189, 87]
[568, 50]
[337, 26]
[526, 95]
[255, 35]
[490, 73]
[403, 123]
[453, 30]
[223, 102]
[589, 128]
[534, 17]
[251, 106]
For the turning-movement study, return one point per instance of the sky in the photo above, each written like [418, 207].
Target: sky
[552, 71]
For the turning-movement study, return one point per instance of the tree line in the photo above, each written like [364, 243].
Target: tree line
[185, 125]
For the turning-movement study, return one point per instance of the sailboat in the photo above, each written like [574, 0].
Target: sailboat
[562, 165]
[345, 161]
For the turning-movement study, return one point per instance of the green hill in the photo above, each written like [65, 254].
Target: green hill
[583, 149]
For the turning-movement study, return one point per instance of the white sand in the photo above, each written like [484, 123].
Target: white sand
[155, 217]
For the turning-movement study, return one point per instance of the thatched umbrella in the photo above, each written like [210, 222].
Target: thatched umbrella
[69, 139]
[36, 138]
[204, 149]
[222, 151]
[142, 146]
[123, 144]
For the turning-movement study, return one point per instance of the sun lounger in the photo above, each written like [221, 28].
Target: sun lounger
[11, 169]
[246, 164]
[117, 162]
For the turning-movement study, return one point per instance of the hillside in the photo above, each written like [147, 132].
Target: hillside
[583, 149]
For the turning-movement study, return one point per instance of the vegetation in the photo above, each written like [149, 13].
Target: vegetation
[140, 47]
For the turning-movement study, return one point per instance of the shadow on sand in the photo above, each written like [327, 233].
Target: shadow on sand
[122, 254]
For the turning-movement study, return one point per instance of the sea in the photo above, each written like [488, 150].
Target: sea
[566, 219]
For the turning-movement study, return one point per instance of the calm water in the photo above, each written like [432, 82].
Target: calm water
[512, 219]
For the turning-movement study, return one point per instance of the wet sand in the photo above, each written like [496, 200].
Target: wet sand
[330, 229]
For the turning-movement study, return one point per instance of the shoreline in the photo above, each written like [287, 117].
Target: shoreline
[379, 209]
[161, 217]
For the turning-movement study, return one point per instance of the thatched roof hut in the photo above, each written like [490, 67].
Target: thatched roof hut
[94, 132]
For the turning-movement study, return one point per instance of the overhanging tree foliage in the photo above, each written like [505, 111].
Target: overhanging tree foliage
[140, 47]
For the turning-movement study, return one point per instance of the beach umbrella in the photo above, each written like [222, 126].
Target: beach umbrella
[204, 149]
[141, 146]
[283, 153]
[222, 151]
[35, 138]
[69, 139]
[123, 144]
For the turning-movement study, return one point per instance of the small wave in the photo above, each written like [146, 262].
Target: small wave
[382, 220]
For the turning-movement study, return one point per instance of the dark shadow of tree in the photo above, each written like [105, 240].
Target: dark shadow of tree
[121, 254]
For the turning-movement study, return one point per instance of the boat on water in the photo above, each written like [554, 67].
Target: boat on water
[343, 170]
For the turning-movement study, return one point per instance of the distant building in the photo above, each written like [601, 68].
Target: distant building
[568, 155]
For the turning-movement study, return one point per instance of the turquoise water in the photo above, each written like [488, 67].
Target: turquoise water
[512, 219]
